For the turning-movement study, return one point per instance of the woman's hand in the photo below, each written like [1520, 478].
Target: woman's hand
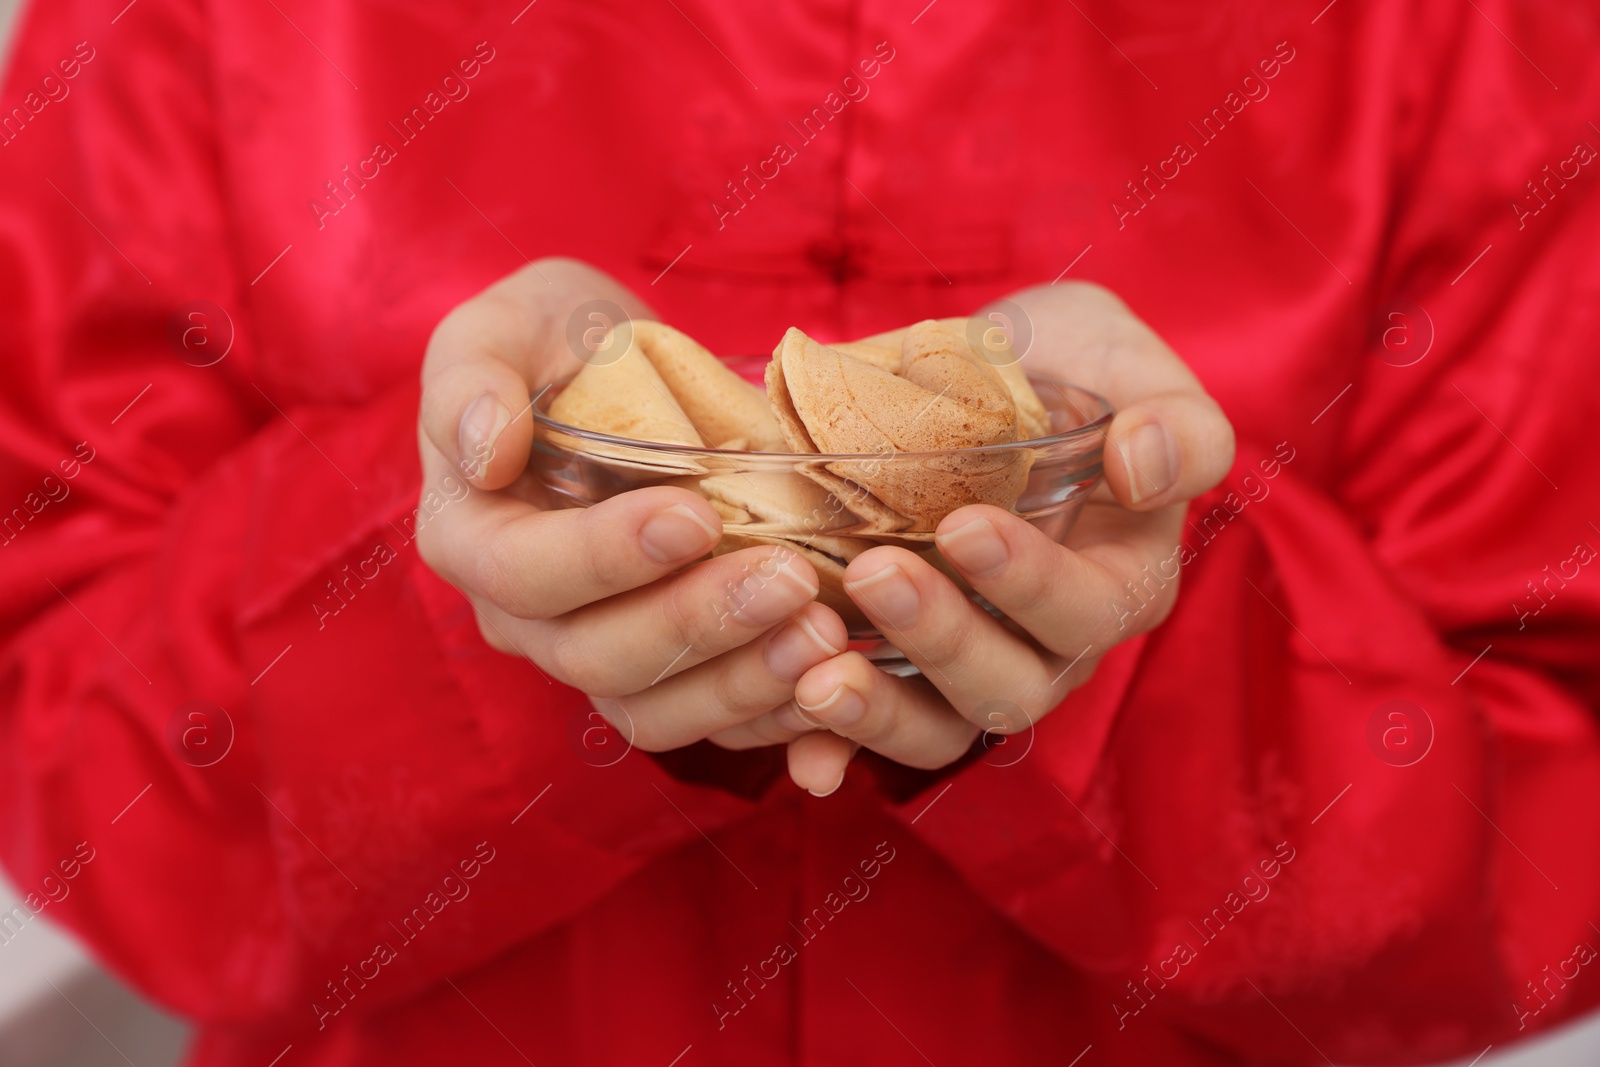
[596, 597]
[1068, 604]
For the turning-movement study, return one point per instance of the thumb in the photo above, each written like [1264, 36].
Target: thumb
[476, 406]
[489, 356]
[1166, 449]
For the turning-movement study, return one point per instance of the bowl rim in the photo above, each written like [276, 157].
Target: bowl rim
[1091, 428]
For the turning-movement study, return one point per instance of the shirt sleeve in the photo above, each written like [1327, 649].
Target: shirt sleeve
[1342, 798]
[260, 735]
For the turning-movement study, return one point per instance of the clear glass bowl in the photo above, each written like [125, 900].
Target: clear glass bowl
[581, 467]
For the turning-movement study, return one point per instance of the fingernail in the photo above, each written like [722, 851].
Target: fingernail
[1152, 461]
[975, 546]
[676, 534]
[829, 792]
[888, 594]
[796, 649]
[790, 573]
[772, 591]
[844, 708]
[480, 426]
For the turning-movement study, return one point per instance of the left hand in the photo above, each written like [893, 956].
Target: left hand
[1067, 604]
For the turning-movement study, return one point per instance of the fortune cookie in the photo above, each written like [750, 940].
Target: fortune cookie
[776, 502]
[667, 388]
[782, 508]
[925, 388]
[883, 350]
[625, 398]
[943, 397]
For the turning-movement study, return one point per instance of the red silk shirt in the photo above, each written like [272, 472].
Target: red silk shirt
[1344, 803]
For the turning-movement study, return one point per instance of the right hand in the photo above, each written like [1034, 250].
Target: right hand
[597, 597]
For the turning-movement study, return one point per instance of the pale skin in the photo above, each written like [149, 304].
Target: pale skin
[610, 600]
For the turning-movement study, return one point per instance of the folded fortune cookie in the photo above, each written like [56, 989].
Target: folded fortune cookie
[941, 397]
[920, 389]
[667, 388]
[884, 350]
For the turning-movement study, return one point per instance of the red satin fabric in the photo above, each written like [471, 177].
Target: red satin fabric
[1410, 911]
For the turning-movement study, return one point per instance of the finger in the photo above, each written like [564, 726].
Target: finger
[495, 625]
[1094, 340]
[488, 356]
[735, 687]
[903, 719]
[1086, 334]
[537, 564]
[959, 647]
[817, 761]
[1075, 603]
[779, 726]
[626, 643]
[1166, 449]
[477, 380]
[489, 407]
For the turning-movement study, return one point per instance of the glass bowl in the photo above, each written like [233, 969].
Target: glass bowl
[581, 467]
